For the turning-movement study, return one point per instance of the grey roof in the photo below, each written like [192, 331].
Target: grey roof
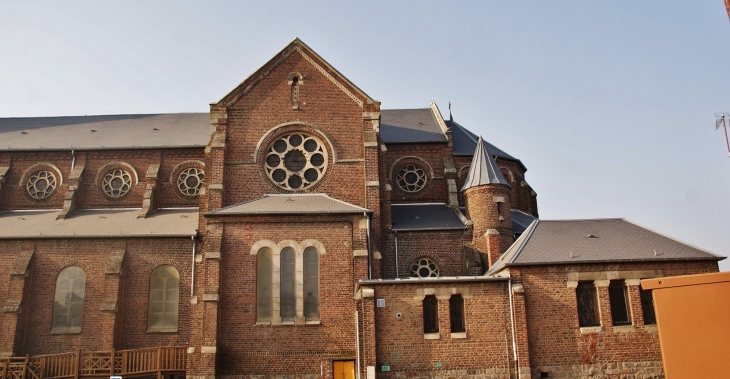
[422, 217]
[520, 220]
[110, 223]
[105, 132]
[410, 126]
[613, 240]
[483, 169]
[318, 203]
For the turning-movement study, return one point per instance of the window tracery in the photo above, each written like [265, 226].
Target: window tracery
[41, 185]
[296, 161]
[411, 178]
[424, 268]
[68, 303]
[117, 183]
[189, 181]
[164, 299]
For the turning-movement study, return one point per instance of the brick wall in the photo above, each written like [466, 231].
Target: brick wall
[102, 328]
[401, 344]
[556, 343]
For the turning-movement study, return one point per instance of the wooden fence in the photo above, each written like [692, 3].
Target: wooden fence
[157, 361]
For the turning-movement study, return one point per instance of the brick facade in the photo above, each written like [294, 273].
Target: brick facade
[521, 324]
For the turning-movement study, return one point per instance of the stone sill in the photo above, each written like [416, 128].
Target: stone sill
[67, 330]
[431, 336]
[458, 335]
[650, 328]
[623, 329]
[591, 329]
[168, 330]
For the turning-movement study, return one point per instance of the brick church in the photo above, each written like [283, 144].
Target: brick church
[298, 230]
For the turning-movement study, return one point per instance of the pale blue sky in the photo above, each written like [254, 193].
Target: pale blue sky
[609, 104]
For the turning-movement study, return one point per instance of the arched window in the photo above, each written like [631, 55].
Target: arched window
[311, 284]
[69, 300]
[164, 299]
[288, 287]
[263, 285]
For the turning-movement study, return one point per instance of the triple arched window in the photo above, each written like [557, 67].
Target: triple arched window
[287, 292]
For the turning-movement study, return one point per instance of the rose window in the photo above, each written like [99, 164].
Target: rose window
[41, 185]
[296, 161]
[424, 268]
[411, 178]
[117, 183]
[189, 181]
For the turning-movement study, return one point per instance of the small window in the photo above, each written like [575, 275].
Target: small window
[587, 304]
[619, 305]
[647, 307]
[456, 313]
[288, 288]
[263, 285]
[69, 300]
[430, 315]
[164, 299]
[311, 284]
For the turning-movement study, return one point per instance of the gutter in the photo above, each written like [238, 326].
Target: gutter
[46, 236]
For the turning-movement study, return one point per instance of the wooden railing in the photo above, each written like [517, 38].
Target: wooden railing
[158, 361]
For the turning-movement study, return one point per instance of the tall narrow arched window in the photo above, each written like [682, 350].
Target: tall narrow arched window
[288, 287]
[311, 284]
[164, 299]
[264, 283]
[69, 300]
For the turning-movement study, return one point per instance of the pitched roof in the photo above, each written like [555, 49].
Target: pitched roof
[521, 220]
[483, 169]
[141, 131]
[317, 203]
[410, 126]
[593, 241]
[98, 223]
[423, 217]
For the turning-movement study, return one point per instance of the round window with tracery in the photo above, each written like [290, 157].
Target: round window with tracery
[296, 161]
[189, 181]
[41, 185]
[411, 178]
[117, 183]
[424, 268]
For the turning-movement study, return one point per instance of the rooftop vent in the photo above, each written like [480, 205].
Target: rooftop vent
[592, 236]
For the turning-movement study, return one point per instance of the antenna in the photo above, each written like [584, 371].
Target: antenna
[721, 121]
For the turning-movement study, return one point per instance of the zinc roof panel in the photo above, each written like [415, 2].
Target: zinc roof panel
[181, 222]
[414, 217]
[410, 126]
[105, 132]
[290, 204]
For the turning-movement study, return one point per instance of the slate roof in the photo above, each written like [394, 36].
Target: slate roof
[410, 126]
[98, 223]
[141, 131]
[520, 220]
[614, 240]
[423, 217]
[483, 169]
[317, 203]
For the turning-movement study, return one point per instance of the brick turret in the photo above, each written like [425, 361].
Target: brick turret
[487, 199]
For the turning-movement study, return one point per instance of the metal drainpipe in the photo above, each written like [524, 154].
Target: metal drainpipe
[357, 340]
[396, 254]
[512, 317]
[370, 263]
[192, 275]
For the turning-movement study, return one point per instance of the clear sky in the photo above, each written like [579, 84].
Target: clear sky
[609, 104]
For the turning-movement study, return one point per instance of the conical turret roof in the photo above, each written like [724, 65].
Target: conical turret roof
[484, 169]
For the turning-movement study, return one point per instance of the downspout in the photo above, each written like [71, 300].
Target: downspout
[512, 317]
[397, 275]
[370, 262]
[192, 274]
[357, 340]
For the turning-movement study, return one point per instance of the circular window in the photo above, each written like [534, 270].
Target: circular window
[189, 181]
[117, 183]
[41, 185]
[296, 161]
[411, 178]
[424, 268]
